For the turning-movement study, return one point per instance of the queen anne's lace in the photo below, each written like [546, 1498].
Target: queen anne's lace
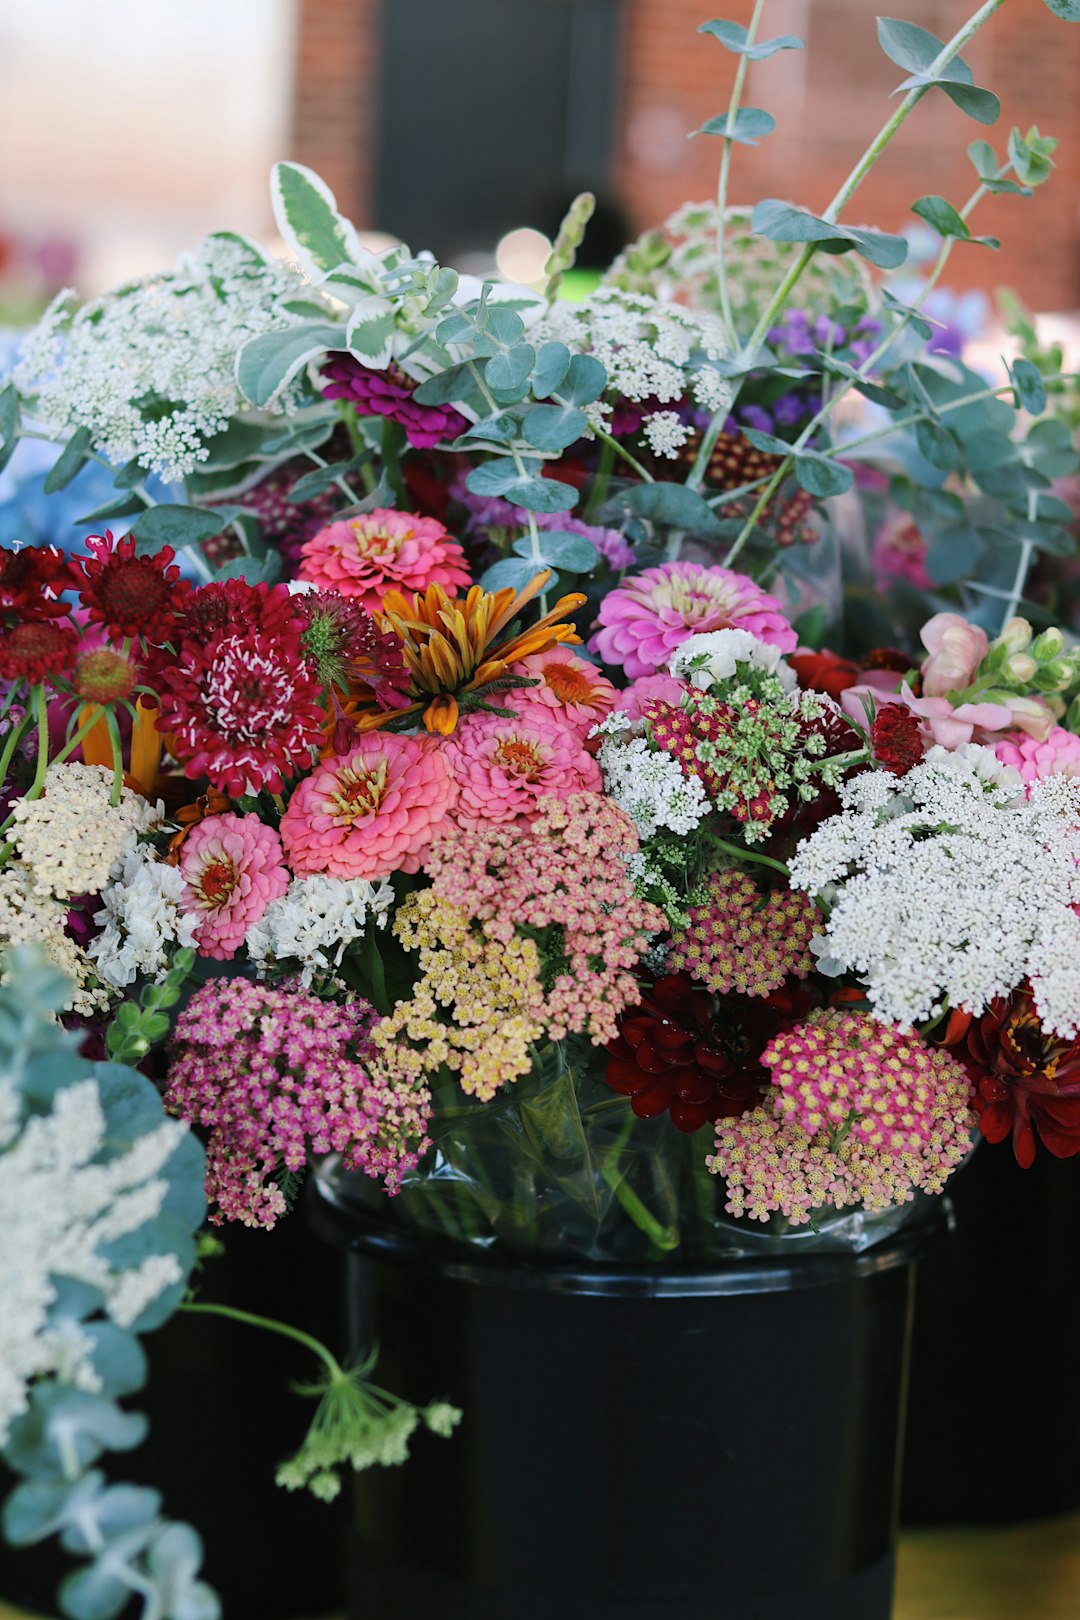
[950, 888]
[58, 1208]
[649, 785]
[150, 368]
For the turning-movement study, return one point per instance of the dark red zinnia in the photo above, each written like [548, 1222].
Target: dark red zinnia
[36, 650]
[694, 1055]
[32, 583]
[128, 594]
[897, 739]
[1026, 1079]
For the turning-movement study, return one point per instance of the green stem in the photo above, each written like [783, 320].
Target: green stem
[620, 450]
[662, 1237]
[14, 738]
[598, 493]
[77, 737]
[1022, 565]
[117, 757]
[534, 534]
[725, 169]
[743, 854]
[41, 711]
[271, 1326]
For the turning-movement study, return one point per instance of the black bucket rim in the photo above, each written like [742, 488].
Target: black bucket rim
[351, 1227]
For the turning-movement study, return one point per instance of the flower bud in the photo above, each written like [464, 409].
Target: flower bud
[1049, 644]
[1022, 667]
[1015, 636]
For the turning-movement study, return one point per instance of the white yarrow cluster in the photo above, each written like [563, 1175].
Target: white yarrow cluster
[952, 888]
[58, 1207]
[140, 919]
[650, 350]
[715, 656]
[28, 917]
[150, 368]
[316, 919]
[648, 784]
[71, 838]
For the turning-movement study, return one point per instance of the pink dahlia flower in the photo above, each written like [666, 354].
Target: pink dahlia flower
[651, 613]
[503, 768]
[233, 866]
[380, 551]
[650, 689]
[570, 689]
[900, 554]
[1057, 755]
[370, 812]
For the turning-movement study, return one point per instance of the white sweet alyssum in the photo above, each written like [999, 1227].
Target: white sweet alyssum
[140, 919]
[949, 887]
[58, 1207]
[71, 838]
[150, 368]
[316, 919]
[650, 350]
[647, 783]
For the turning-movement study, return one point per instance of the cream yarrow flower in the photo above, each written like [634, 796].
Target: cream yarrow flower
[71, 838]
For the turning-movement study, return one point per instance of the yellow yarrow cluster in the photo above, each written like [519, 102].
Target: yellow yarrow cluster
[477, 1005]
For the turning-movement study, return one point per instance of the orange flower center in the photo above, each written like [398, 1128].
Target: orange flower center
[569, 685]
[217, 883]
[519, 758]
[358, 792]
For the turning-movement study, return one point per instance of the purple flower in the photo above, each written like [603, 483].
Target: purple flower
[390, 393]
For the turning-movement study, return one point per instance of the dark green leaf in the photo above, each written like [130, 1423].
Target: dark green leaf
[1051, 449]
[748, 127]
[1048, 537]
[445, 386]
[782, 222]
[942, 216]
[673, 504]
[585, 381]
[9, 412]
[552, 363]
[320, 479]
[71, 460]
[812, 626]
[732, 37]
[768, 443]
[257, 571]
[952, 553]
[561, 549]
[916, 321]
[937, 445]
[522, 488]
[820, 475]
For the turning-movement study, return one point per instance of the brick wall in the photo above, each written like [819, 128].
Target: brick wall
[828, 100]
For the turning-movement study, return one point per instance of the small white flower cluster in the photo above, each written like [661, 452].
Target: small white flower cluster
[666, 433]
[648, 784]
[715, 656]
[71, 838]
[58, 1208]
[30, 918]
[952, 888]
[316, 919]
[649, 349]
[140, 918]
[149, 368]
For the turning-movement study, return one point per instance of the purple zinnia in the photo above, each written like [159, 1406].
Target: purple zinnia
[390, 393]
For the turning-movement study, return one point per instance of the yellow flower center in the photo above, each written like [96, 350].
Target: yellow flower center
[358, 791]
[519, 757]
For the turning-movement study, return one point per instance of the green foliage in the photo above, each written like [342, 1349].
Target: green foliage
[783, 222]
[747, 127]
[733, 37]
[266, 365]
[178, 526]
[307, 216]
[9, 423]
[1067, 10]
[919, 51]
[570, 236]
[71, 461]
[947, 221]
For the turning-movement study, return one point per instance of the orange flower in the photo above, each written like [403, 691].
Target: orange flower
[450, 651]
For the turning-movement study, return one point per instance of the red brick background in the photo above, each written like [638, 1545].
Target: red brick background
[828, 100]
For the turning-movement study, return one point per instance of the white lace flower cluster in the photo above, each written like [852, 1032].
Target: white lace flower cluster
[149, 368]
[71, 838]
[715, 655]
[647, 783]
[666, 433]
[30, 918]
[650, 350]
[949, 887]
[141, 919]
[315, 920]
[58, 1208]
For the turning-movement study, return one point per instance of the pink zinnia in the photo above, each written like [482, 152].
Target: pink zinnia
[503, 768]
[650, 689]
[569, 689]
[233, 867]
[370, 812]
[1058, 755]
[652, 613]
[380, 551]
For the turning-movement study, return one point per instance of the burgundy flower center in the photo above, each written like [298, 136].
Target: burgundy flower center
[217, 882]
[1024, 1042]
[133, 589]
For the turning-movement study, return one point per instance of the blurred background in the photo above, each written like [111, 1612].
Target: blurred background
[131, 127]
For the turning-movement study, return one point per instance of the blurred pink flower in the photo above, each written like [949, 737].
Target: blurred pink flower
[1056, 754]
[649, 689]
[956, 650]
[900, 554]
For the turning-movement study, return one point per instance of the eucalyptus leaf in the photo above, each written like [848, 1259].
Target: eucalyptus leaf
[117, 1511]
[783, 222]
[63, 1423]
[553, 427]
[1028, 385]
[265, 570]
[445, 386]
[748, 127]
[768, 443]
[560, 548]
[177, 526]
[9, 413]
[522, 487]
[733, 37]
[320, 479]
[510, 572]
[501, 429]
[1067, 10]
[585, 381]
[39, 1508]
[672, 504]
[909, 46]
[822, 476]
[937, 445]
[952, 553]
[510, 371]
[69, 463]
[552, 364]
[101, 1590]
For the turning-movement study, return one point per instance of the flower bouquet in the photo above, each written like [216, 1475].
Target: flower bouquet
[466, 772]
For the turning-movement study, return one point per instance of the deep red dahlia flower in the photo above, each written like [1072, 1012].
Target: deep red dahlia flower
[37, 649]
[694, 1055]
[32, 582]
[1026, 1080]
[128, 594]
[241, 700]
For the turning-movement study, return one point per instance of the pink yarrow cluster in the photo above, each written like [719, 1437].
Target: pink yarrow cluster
[276, 1075]
[504, 768]
[740, 940]
[233, 867]
[566, 871]
[366, 556]
[1058, 755]
[652, 613]
[911, 1094]
[372, 811]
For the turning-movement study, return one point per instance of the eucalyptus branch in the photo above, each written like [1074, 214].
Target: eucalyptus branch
[320, 461]
[534, 533]
[725, 169]
[1023, 563]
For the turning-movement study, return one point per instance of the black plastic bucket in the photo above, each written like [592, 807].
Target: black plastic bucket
[718, 1444]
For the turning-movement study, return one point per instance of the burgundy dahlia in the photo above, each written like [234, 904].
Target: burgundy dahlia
[32, 583]
[390, 393]
[128, 594]
[694, 1055]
